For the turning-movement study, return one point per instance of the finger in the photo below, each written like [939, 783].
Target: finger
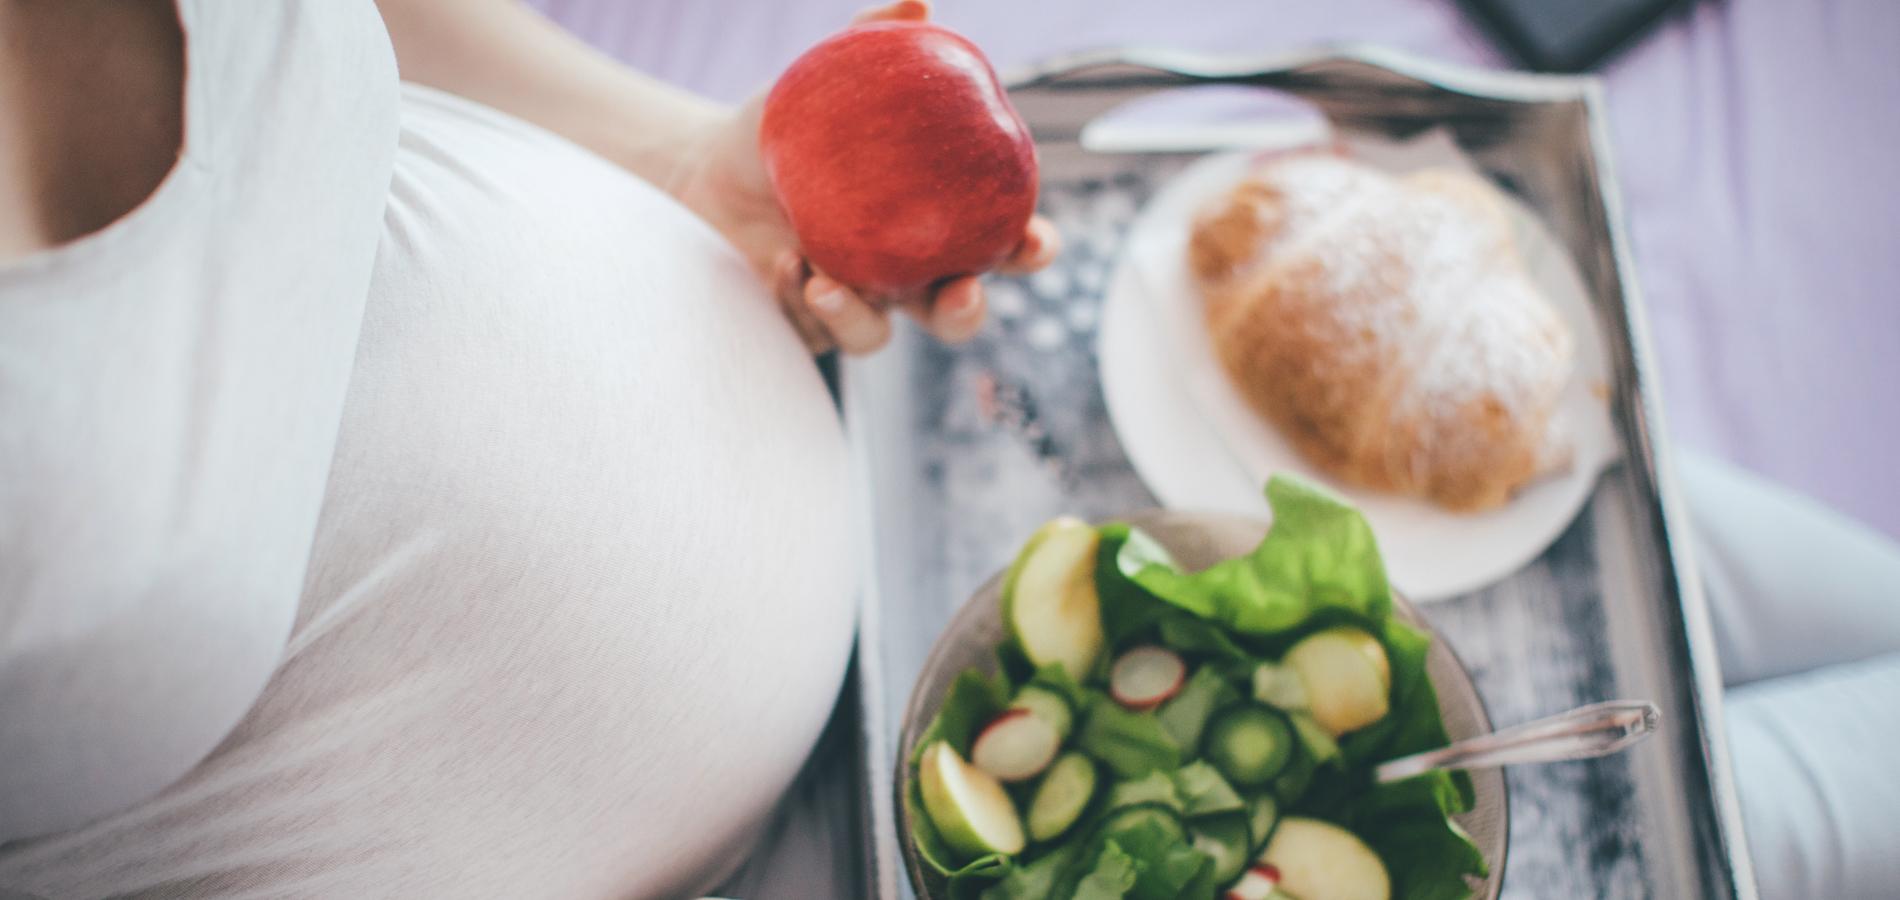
[956, 312]
[788, 285]
[787, 277]
[857, 326]
[1041, 244]
[901, 11]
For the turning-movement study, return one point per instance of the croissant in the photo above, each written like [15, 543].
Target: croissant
[1387, 325]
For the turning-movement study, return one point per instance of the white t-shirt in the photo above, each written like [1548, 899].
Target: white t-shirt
[577, 603]
[170, 389]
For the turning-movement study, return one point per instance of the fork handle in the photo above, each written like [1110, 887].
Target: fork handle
[1598, 729]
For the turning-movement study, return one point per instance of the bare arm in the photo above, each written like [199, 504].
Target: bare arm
[505, 55]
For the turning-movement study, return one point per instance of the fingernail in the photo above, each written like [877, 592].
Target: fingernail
[828, 301]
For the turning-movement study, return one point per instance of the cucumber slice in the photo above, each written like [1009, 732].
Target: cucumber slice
[1185, 715]
[1049, 599]
[1348, 679]
[1061, 796]
[1263, 812]
[1224, 839]
[1249, 744]
[1321, 861]
[1047, 705]
[972, 812]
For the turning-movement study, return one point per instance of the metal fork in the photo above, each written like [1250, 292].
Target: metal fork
[1598, 729]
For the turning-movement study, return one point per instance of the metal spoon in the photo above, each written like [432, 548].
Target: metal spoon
[1598, 729]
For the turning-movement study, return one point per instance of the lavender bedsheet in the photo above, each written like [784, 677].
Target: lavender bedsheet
[1754, 141]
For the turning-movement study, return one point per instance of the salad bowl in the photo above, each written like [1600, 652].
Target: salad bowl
[1195, 541]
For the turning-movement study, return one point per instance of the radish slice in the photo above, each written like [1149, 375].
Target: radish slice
[1256, 883]
[1144, 677]
[1016, 745]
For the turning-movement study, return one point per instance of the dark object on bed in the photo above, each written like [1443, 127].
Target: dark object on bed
[1569, 35]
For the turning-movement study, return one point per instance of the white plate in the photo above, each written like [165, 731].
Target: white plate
[1198, 445]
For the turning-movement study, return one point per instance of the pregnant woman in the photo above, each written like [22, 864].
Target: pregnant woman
[406, 490]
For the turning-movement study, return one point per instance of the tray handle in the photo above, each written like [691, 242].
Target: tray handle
[1061, 96]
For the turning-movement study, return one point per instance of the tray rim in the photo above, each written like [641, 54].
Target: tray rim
[1189, 67]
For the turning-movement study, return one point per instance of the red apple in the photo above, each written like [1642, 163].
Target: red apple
[898, 158]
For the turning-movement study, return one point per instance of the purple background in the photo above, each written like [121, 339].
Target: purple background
[1755, 141]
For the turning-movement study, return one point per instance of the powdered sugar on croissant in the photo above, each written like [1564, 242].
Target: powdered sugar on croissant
[1387, 325]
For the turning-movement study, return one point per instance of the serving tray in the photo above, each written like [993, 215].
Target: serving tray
[961, 452]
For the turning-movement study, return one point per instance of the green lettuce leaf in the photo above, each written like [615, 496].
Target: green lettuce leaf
[1128, 609]
[1186, 714]
[1165, 863]
[1408, 824]
[923, 831]
[1155, 788]
[1111, 878]
[1319, 556]
[1131, 744]
[1315, 741]
[969, 882]
[1415, 722]
[1295, 780]
[1012, 664]
[1204, 792]
[970, 703]
[1037, 880]
[1188, 634]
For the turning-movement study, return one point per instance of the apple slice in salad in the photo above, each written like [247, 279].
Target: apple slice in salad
[1050, 602]
[1347, 679]
[973, 813]
[1317, 860]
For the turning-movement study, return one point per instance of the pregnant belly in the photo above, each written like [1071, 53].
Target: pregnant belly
[581, 591]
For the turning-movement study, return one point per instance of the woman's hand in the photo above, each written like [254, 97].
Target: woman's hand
[503, 54]
[726, 184]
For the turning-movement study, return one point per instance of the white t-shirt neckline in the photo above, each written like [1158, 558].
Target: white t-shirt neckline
[127, 238]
